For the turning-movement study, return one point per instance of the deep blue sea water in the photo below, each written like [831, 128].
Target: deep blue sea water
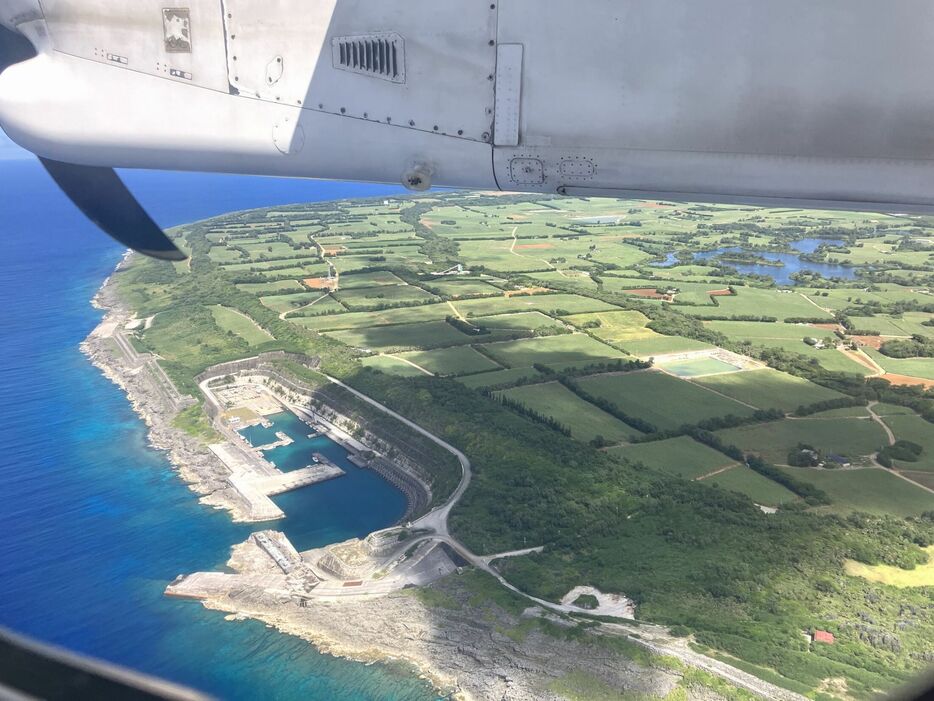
[93, 523]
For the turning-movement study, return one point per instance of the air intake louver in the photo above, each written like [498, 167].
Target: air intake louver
[378, 55]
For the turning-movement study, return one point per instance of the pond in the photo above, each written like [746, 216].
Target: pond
[791, 263]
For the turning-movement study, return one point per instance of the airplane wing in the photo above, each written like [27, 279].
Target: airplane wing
[776, 102]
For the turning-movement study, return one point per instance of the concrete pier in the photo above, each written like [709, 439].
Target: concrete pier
[256, 479]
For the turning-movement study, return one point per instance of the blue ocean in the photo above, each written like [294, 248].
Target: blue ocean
[93, 523]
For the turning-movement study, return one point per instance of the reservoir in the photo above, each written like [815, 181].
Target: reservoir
[351, 506]
[791, 262]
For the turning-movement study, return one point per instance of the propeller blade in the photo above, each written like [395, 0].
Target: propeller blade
[105, 200]
[14, 48]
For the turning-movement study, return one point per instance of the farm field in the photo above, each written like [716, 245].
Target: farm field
[431, 334]
[553, 304]
[914, 367]
[769, 389]
[696, 367]
[293, 301]
[370, 279]
[750, 301]
[391, 365]
[585, 421]
[664, 401]
[870, 490]
[527, 321]
[908, 324]
[459, 360]
[382, 294]
[911, 427]
[364, 320]
[556, 351]
[498, 377]
[851, 438]
[269, 288]
[788, 337]
[680, 456]
[758, 488]
[457, 286]
[240, 324]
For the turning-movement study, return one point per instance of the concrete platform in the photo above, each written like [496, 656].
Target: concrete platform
[206, 585]
[286, 481]
[255, 479]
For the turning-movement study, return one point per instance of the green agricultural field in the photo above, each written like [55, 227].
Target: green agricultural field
[297, 267]
[628, 330]
[844, 297]
[872, 490]
[911, 427]
[760, 489]
[231, 320]
[456, 286]
[523, 321]
[556, 351]
[615, 326]
[459, 360]
[291, 302]
[680, 456]
[498, 377]
[664, 401]
[913, 367]
[585, 420]
[769, 389]
[696, 367]
[761, 302]
[660, 345]
[382, 294]
[365, 320]
[789, 337]
[848, 437]
[886, 325]
[271, 288]
[399, 337]
[391, 365]
[556, 304]
[369, 279]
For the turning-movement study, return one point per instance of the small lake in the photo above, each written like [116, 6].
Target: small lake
[350, 506]
[791, 262]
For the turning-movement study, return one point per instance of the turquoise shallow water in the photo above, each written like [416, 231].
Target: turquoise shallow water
[94, 522]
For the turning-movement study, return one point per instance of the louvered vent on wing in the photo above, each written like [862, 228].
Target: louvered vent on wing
[378, 55]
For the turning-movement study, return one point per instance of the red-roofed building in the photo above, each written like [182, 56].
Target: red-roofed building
[822, 636]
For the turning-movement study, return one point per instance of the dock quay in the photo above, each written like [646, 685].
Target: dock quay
[255, 479]
[288, 481]
[359, 459]
[283, 439]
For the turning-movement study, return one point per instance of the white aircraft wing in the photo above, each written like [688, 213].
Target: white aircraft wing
[776, 102]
